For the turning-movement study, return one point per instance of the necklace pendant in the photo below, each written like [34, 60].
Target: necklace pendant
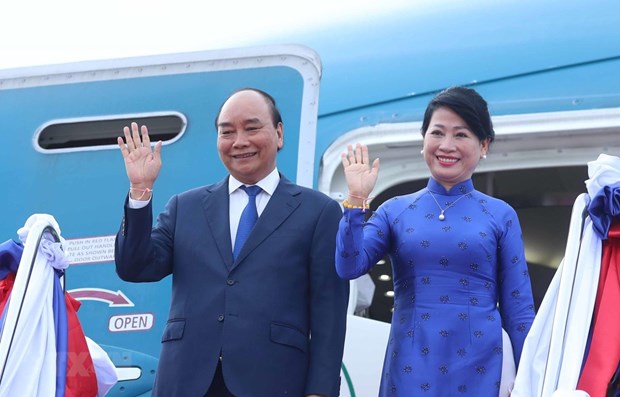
[442, 216]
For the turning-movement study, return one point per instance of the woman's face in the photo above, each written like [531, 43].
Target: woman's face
[451, 150]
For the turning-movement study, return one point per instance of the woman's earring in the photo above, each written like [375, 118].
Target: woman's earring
[422, 151]
[484, 156]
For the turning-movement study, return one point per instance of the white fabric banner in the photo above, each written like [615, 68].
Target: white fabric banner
[554, 349]
[28, 346]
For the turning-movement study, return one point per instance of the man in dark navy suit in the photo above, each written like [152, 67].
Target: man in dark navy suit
[264, 319]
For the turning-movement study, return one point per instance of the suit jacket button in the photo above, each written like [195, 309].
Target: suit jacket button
[230, 282]
[220, 318]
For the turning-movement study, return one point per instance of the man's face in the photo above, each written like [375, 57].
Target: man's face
[247, 141]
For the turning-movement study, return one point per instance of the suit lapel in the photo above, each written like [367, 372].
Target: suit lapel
[216, 205]
[285, 200]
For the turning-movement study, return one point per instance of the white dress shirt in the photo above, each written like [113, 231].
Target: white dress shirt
[238, 199]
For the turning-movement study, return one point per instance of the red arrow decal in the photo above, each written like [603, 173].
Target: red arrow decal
[114, 299]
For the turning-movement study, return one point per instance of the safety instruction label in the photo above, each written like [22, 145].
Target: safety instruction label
[80, 251]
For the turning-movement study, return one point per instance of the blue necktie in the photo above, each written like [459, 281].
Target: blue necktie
[249, 216]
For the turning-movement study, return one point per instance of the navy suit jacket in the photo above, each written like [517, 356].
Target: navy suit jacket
[276, 315]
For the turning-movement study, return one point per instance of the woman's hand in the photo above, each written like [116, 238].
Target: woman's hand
[360, 175]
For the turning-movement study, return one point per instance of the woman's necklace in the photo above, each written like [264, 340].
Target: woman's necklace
[443, 210]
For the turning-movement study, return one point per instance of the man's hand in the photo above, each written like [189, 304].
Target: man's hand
[141, 163]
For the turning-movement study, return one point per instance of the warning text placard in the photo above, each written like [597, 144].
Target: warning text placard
[80, 251]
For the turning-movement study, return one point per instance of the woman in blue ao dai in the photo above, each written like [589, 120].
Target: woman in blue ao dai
[457, 256]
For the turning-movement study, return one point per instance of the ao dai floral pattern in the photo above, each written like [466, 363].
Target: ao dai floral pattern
[449, 277]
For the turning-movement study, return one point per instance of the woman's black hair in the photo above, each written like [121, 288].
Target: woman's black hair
[469, 105]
